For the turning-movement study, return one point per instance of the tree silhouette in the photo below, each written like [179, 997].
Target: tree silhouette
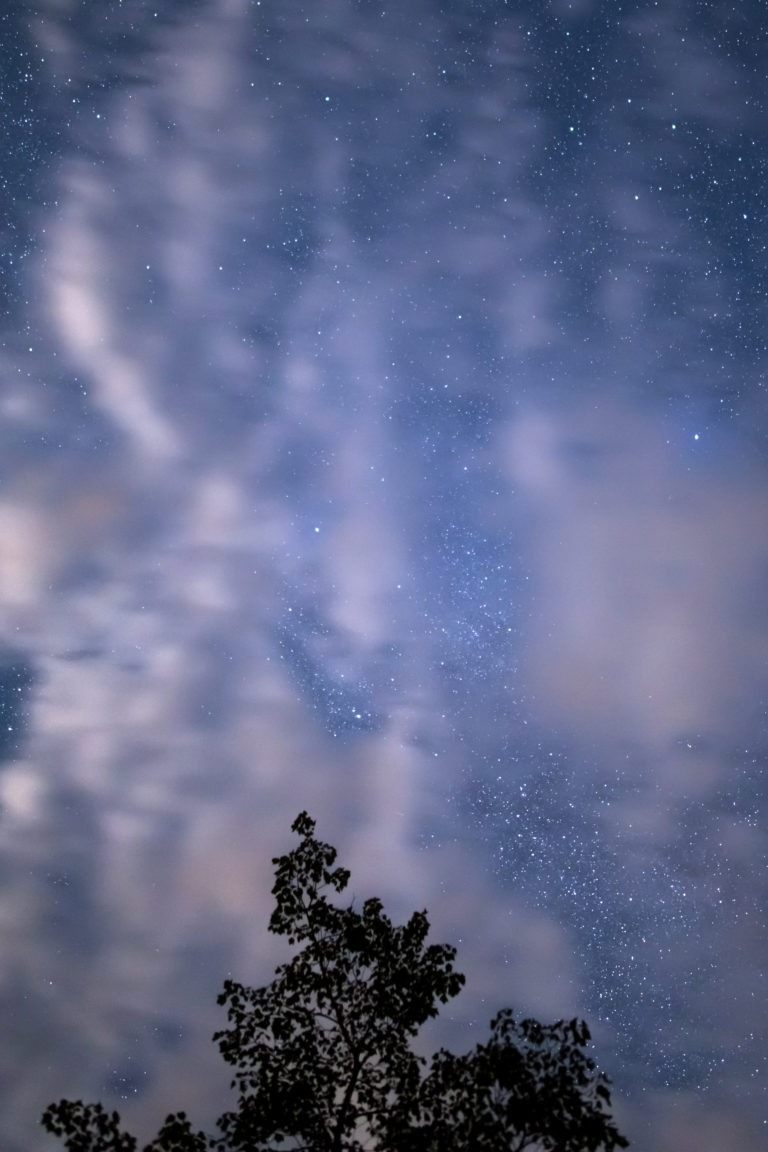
[322, 1056]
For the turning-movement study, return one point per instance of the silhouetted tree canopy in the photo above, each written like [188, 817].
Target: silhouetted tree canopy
[322, 1058]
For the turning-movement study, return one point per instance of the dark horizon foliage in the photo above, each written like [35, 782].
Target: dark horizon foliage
[322, 1060]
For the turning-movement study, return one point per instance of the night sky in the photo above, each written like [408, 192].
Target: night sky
[385, 434]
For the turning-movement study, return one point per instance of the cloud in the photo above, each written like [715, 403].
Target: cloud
[269, 323]
[644, 565]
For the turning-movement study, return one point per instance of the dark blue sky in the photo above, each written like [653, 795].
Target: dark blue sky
[384, 434]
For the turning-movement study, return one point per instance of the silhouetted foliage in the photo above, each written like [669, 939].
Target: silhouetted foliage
[322, 1056]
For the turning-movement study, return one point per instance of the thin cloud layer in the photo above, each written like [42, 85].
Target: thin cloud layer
[377, 454]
